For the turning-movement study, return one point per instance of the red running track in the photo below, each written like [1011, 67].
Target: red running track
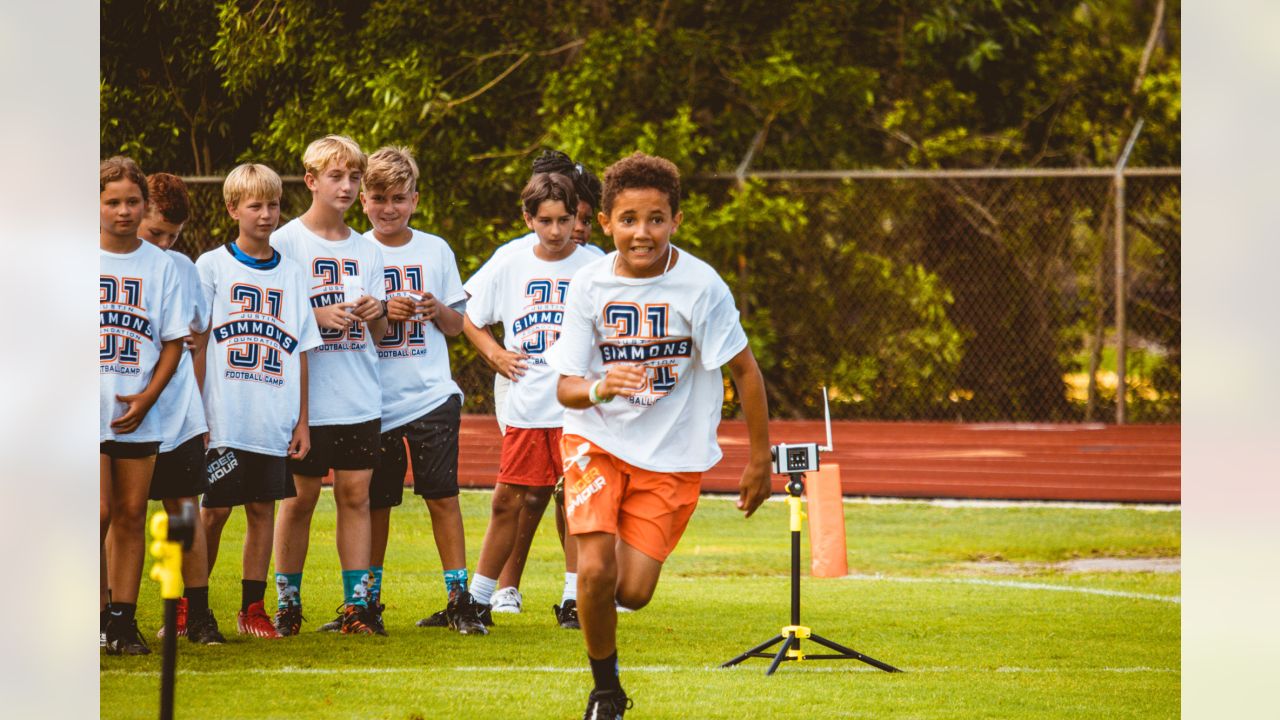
[1011, 461]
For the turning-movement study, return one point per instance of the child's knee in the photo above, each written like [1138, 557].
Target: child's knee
[633, 598]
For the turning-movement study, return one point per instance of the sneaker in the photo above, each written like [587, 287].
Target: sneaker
[204, 631]
[607, 705]
[288, 620]
[468, 617]
[507, 600]
[182, 620]
[359, 620]
[375, 614]
[255, 622]
[335, 625]
[436, 619]
[123, 638]
[567, 615]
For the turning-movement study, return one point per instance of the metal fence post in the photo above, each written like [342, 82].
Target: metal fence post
[1121, 273]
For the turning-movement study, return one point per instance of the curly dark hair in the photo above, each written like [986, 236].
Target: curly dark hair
[169, 195]
[586, 183]
[120, 167]
[642, 171]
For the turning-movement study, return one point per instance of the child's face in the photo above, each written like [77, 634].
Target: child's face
[582, 224]
[641, 225]
[121, 209]
[158, 231]
[389, 209]
[554, 225]
[257, 217]
[336, 186]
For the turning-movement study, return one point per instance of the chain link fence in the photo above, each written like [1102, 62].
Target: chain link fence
[955, 296]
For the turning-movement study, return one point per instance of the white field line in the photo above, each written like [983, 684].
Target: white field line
[1175, 599]
[550, 669]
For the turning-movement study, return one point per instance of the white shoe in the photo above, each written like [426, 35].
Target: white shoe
[507, 600]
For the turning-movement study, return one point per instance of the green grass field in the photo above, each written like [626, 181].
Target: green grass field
[977, 639]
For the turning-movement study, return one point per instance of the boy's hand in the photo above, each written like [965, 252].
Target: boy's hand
[368, 308]
[300, 443]
[428, 307]
[754, 487]
[624, 380]
[401, 309]
[189, 343]
[510, 365]
[336, 316]
[135, 412]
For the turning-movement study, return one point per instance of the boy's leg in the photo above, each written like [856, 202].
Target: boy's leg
[531, 511]
[637, 576]
[195, 580]
[213, 519]
[104, 523]
[293, 524]
[498, 539]
[597, 585]
[130, 481]
[252, 619]
[351, 494]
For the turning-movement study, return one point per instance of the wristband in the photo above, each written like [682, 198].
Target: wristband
[595, 398]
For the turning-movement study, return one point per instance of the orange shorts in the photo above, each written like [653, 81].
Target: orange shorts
[530, 456]
[648, 510]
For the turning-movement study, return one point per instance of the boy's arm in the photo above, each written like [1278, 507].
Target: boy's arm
[140, 404]
[625, 380]
[508, 364]
[198, 356]
[300, 443]
[754, 487]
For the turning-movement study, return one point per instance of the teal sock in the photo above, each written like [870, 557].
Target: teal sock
[288, 590]
[375, 584]
[355, 587]
[455, 581]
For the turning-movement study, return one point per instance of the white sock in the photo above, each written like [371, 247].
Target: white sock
[482, 588]
[570, 588]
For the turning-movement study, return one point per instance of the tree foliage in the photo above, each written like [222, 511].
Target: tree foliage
[477, 88]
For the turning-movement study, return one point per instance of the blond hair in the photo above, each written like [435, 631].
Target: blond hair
[333, 150]
[251, 180]
[391, 167]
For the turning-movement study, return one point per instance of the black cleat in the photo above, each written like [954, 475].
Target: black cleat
[360, 620]
[334, 625]
[567, 615]
[288, 620]
[204, 631]
[123, 638]
[468, 617]
[437, 619]
[607, 705]
[375, 618]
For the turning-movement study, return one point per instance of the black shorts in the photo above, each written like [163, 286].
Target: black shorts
[117, 450]
[433, 442]
[340, 447]
[180, 472]
[237, 477]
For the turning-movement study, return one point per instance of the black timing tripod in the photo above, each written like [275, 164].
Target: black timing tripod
[791, 635]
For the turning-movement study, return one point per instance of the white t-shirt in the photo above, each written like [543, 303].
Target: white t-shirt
[261, 323]
[413, 358]
[682, 326]
[140, 307]
[180, 404]
[500, 383]
[527, 295]
[342, 373]
[520, 243]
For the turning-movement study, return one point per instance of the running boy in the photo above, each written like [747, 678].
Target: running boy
[507, 597]
[179, 476]
[421, 404]
[525, 291]
[141, 325]
[255, 380]
[344, 274]
[652, 324]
